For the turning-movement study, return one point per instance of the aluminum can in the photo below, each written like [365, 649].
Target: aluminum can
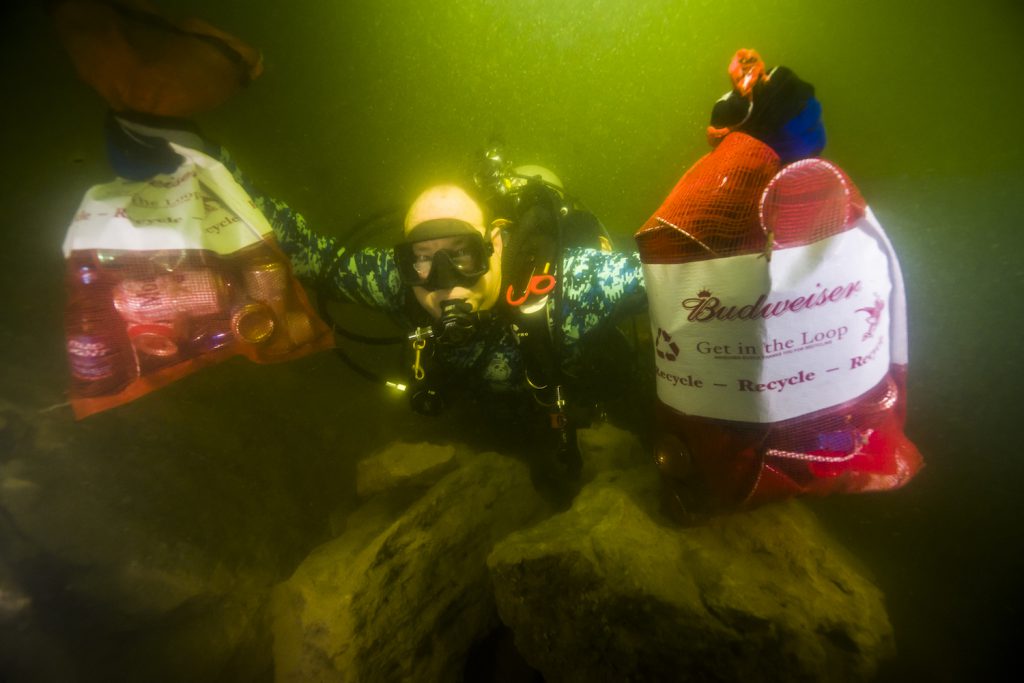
[252, 323]
[266, 280]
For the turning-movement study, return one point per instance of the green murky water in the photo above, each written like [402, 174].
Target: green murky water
[364, 103]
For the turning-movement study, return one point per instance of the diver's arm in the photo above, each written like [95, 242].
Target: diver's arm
[365, 276]
[599, 286]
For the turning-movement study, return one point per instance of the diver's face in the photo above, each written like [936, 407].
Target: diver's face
[481, 295]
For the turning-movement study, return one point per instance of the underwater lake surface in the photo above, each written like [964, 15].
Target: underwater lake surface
[361, 105]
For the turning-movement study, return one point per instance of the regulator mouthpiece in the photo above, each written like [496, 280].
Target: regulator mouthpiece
[458, 323]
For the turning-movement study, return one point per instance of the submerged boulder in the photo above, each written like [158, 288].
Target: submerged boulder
[129, 555]
[403, 464]
[610, 590]
[404, 592]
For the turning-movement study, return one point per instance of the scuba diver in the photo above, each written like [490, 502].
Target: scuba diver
[511, 296]
[506, 286]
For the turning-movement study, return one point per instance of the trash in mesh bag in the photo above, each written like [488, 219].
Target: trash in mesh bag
[777, 307]
[173, 273]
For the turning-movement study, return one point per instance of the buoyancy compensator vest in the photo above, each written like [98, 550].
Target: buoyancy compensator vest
[545, 224]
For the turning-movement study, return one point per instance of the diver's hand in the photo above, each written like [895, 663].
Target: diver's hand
[716, 135]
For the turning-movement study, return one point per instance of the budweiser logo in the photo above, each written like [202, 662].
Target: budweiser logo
[706, 308]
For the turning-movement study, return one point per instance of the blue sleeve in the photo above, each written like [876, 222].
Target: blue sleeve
[367, 276]
[599, 287]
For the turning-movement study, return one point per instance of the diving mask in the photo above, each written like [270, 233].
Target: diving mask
[444, 263]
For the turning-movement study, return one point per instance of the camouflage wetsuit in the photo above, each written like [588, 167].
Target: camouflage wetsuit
[597, 289]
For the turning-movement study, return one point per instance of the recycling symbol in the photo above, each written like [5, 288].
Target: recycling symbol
[668, 350]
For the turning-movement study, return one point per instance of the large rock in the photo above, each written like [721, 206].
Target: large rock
[612, 591]
[404, 593]
[393, 467]
[142, 549]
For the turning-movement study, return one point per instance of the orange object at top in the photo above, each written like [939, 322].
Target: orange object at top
[746, 70]
[140, 60]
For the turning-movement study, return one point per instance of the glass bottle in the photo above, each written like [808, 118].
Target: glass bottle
[100, 354]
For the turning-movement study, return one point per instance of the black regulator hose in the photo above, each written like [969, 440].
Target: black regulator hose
[351, 239]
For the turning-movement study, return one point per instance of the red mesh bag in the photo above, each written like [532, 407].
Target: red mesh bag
[777, 307]
[171, 274]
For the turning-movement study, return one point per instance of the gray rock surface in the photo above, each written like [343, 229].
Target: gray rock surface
[124, 552]
[404, 593]
[393, 467]
[131, 551]
[612, 591]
